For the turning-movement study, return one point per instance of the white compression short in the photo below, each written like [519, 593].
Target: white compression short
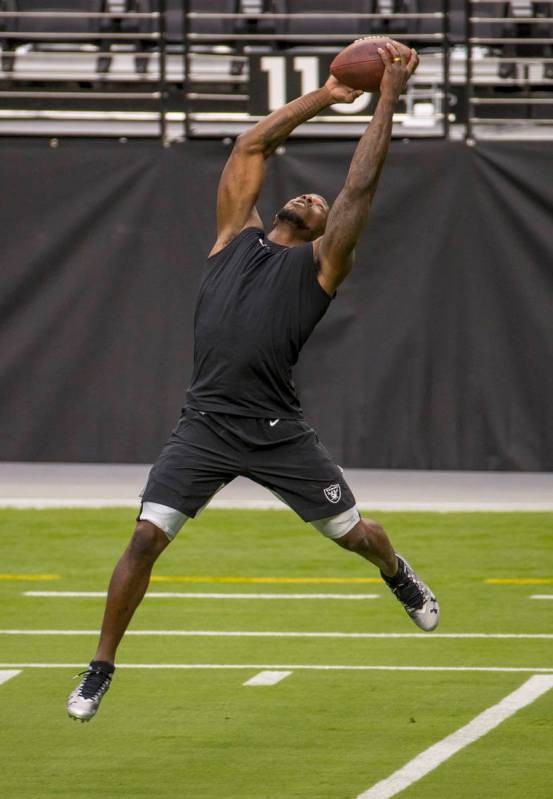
[170, 520]
[167, 519]
[337, 526]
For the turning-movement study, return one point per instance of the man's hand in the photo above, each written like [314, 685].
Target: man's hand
[398, 68]
[341, 93]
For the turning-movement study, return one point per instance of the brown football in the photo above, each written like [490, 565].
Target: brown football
[359, 66]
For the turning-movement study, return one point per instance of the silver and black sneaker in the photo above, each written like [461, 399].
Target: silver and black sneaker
[84, 701]
[415, 596]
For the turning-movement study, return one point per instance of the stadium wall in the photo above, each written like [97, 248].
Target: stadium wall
[436, 354]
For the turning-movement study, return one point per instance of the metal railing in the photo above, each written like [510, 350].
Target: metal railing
[511, 47]
[214, 74]
[285, 46]
[104, 94]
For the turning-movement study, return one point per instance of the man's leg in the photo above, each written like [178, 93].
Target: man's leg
[194, 464]
[369, 540]
[301, 471]
[128, 585]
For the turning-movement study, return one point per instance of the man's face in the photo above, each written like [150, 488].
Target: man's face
[307, 212]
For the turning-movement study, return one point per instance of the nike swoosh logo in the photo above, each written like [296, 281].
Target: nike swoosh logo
[275, 421]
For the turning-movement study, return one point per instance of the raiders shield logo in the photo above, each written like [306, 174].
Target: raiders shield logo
[333, 493]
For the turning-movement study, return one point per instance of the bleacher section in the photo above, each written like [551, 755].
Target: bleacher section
[179, 69]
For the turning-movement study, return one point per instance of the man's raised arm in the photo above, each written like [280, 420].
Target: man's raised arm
[244, 172]
[348, 215]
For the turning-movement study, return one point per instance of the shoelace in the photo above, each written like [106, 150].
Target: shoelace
[95, 683]
[410, 595]
[409, 591]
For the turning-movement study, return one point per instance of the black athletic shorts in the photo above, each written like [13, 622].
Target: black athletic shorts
[206, 451]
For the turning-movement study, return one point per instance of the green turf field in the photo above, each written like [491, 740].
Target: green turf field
[199, 733]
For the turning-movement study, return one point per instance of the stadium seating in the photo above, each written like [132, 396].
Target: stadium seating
[121, 55]
[329, 25]
[41, 28]
[212, 25]
[457, 21]
[65, 26]
[525, 9]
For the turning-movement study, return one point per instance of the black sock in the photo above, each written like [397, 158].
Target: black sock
[398, 576]
[102, 665]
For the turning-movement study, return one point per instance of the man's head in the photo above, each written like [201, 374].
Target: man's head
[307, 214]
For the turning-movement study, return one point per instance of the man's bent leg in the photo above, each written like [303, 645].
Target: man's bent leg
[128, 585]
[369, 539]
[300, 470]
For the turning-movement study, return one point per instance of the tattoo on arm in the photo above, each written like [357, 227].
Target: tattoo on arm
[370, 154]
[273, 130]
[348, 215]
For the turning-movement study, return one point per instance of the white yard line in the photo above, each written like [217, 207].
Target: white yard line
[198, 595]
[431, 758]
[541, 596]
[290, 667]
[268, 678]
[7, 675]
[278, 634]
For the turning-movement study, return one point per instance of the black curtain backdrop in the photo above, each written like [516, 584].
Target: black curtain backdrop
[436, 354]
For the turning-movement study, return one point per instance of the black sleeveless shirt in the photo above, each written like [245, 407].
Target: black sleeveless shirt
[258, 304]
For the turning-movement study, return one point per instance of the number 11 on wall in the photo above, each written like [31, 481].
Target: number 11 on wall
[308, 68]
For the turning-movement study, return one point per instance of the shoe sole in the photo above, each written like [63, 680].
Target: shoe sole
[76, 718]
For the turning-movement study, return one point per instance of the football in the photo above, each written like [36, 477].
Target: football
[359, 65]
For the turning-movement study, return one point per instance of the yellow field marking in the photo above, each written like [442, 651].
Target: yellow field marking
[520, 581]
[185, 578]
[29, 577]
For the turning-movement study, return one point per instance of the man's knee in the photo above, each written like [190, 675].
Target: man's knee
[361, 537]
[147, 542]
